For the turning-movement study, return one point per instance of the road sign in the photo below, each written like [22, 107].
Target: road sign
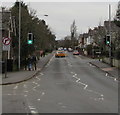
[6, 47]
[98, 52]
[6, 44]
[6, 41]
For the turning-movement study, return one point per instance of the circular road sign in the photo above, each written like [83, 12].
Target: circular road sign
[6, 41]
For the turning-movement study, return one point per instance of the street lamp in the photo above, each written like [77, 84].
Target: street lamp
[19, 34]
[110, 44]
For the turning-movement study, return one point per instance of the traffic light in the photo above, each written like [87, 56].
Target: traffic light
[108, 39]
[30, 38]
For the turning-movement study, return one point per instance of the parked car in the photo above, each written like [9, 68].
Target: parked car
[70, 49]
[76, 52]
[60, 54]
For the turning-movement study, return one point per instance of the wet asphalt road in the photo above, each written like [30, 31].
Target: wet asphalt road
[65, 85]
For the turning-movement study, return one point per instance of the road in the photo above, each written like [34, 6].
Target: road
[65, 85]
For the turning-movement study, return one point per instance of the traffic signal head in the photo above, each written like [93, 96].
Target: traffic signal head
[30, 38]
[107, 39]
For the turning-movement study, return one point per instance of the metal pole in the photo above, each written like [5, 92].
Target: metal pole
[19, 34]
[110, 50]
[9, 46]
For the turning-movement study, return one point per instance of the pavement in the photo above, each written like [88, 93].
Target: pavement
[24, 75]
[111, 71]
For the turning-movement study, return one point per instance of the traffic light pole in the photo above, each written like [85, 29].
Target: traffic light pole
[110, 48]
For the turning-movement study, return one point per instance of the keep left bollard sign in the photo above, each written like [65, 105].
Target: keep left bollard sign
[6, 43]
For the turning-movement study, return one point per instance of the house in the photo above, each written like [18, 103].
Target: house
[85, 37]
[90, 36]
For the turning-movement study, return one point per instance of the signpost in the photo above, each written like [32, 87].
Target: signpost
[6, 47]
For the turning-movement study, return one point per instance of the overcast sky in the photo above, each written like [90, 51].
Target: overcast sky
[61, 14]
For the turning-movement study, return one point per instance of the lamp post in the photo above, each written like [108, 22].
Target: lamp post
[19, 34]
[110, 48]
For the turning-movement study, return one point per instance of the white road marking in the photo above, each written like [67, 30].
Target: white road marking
[26, 91]
[34, 112]
[43, 93]
[63, 106]
[106, 74]
[41, 74]
[92, 65]
[115, 79]
[25, 86]
[86, 86]
[78, 80]
[38, 85]
[38, 99]
[34, 88]
[38, 78]
[15, 87]
[25, 95]
[82, 83]
[75, 76]
[72, 72]
[9, 94]
[33, 109]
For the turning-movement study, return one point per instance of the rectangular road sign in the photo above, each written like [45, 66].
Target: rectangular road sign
[6, 47]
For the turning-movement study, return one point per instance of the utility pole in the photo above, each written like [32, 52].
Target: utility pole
[19, 34]
[110, 45]
[1, 34]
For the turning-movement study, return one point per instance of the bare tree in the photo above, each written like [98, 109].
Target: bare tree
[73, 31]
